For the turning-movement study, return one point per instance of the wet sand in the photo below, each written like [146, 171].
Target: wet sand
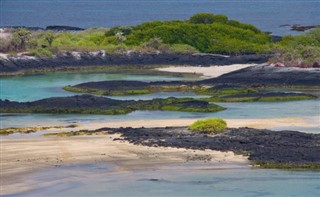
[20, 157]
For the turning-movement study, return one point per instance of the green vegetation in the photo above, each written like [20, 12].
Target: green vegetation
[177, 104]
[11, 130]
[109, 93]
[115, 107]
[210, 125]
[203, 32]
[20, 39]
[286, 166]
[76, 133]
[219, 93]
[259, 98]
[302, 51]
[113, 111]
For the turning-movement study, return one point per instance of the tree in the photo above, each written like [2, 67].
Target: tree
[49, 37]
[20, 38]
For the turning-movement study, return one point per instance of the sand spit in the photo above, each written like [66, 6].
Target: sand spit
[266, 123]
[207, 72]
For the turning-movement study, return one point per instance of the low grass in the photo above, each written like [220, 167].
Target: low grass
[259, 98]
[75, 133]
[287, 166]
[209, 108]
[12, 130]
[83, 90]
[227, 91]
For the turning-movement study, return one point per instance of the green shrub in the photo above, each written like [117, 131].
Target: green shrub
[41, 52]
[182, 49]
[4, 45]
[20, 39]
[219, 18]
[302, 50]
[203, 32]
[210, 125]
[202, 18]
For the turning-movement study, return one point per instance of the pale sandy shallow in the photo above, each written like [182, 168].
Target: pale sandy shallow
[20, 157]
[23, 156]
[207, 72]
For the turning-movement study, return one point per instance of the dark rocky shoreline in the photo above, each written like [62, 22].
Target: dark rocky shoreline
[264, 75]
[13, 65]
[88, 104]
[244, 81]
[283, 149]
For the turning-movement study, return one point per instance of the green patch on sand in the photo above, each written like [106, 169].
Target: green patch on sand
[75, 133]
[12, 130]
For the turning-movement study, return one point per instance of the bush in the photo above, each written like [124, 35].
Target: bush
[20, 39]
[220, 18]
[210, 125]
[203, 32]
[4, 45]
[41, 52]
[212, 38]
[182, 49]
[301, 51]
[202, 18]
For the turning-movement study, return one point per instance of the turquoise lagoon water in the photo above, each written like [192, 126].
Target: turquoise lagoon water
[234, 110]
[34, 87]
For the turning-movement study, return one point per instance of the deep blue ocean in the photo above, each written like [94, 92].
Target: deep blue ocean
[268, 15]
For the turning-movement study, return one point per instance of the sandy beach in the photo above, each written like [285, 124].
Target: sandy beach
[266, 123]
[21, 157]
[207, 72]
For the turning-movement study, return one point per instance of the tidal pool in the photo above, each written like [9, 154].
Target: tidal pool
[35, 87]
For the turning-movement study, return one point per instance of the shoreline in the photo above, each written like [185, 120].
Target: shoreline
[18, 162]
[20, 65]
[261, 123]
[23, 156]
[206, 72]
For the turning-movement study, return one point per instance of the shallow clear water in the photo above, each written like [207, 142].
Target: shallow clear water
[265, 14]
[35, 87]
[234, 110]
[174, 180]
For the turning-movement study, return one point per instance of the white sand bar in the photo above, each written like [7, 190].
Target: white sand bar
[207, 72]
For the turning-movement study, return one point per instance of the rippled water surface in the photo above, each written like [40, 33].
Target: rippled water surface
[175, 180]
